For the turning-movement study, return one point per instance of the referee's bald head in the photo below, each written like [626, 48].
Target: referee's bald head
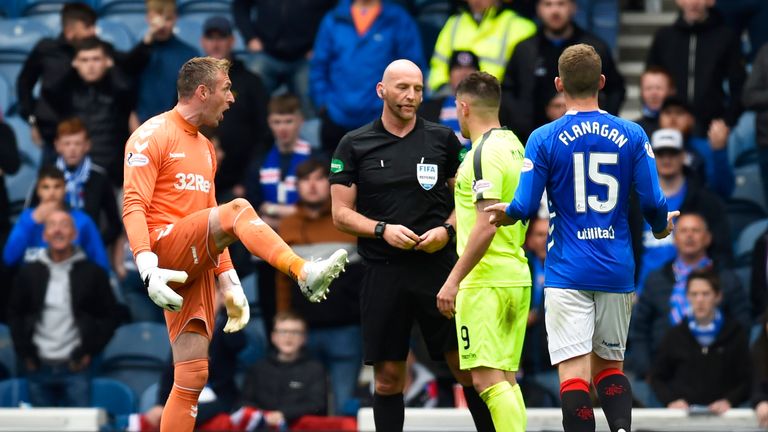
[399, 68]
[401, 88]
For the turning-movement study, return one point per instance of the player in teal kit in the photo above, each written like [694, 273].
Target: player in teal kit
[491, 280]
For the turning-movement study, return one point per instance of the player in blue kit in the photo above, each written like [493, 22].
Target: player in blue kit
[589, 161]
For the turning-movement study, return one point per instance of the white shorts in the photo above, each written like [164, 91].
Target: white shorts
[579, 322]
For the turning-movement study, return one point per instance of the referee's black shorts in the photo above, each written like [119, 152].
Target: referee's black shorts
[393, 296]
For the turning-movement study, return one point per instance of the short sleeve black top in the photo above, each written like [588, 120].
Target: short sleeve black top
[399, 180]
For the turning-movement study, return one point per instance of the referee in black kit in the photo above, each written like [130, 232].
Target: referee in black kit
[392, 186]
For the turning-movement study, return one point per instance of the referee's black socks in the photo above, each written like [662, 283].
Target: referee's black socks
[481, 415]
[615, 395]
[578, 415]
[388, 412]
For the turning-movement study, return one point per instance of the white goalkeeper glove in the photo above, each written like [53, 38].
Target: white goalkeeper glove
[156, 281]
[238, 309]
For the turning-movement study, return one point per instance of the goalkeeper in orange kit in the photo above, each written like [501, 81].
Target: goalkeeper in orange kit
[179, 234]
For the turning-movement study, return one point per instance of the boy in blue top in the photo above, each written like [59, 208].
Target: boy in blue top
[26, 238]
[271, 180]
[589, 161]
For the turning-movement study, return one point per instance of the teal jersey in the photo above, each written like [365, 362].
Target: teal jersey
[491, 170]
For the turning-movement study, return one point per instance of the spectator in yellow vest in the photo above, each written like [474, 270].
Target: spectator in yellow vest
[485, 28]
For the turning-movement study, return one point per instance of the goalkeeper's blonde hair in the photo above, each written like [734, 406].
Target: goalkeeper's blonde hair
[199, 71]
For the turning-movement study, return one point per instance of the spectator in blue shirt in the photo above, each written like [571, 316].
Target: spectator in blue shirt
[708, 157]
[157, 82]
[26, 239]
[355, 43]
[271, 182]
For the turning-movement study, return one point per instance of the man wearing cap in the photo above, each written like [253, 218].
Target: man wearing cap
[243, 133]
[684, 193]
[707, 157]
[527, 82]
[442, 108]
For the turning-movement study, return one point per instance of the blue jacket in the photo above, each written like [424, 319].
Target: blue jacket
[716, 168]
[345, 66]
[157, 83]
[27, 236]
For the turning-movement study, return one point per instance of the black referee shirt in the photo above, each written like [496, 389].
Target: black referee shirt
[399, 180]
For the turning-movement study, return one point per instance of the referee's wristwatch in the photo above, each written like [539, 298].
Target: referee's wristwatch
[378, 232]
[451, 231]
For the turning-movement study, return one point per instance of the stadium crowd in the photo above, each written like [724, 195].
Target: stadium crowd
[76, 80]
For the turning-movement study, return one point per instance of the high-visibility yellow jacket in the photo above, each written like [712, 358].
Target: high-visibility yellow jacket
[493, 41]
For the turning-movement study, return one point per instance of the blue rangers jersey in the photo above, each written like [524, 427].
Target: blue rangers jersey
[589, 163]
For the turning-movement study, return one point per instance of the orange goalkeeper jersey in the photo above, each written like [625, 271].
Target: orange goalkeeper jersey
[169, 173]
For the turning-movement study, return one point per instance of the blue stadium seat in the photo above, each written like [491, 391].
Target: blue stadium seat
[6, 94]
[29, 152]
[51, 21]
[113, 396]
[131, 13]
[186, 7]
[135, 23]
[10, 66]
[13, 392]
[239, 46]
[20, 184]
[136, 376]
[20, 35]
[746, 241]
[741, 213]
[7, 354]
[749, 185]
[34, 7]
[17, 38]
[148, 398]
[145, 341]
[47, 12]
[112, 30]
[136, 355]
[190, 28]
[116, 7]
[742, 146]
